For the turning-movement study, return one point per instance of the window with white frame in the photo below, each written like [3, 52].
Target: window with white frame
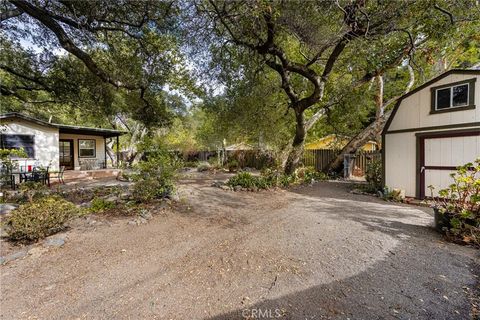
[86, 148]
[452, 97]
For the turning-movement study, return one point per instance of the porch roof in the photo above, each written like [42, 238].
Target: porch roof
[63, 128]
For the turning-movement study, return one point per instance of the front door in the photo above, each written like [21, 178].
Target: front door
[66, 154]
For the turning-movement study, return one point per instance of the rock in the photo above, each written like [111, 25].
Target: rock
[175, 197]
[132, 222]
[225, 187]
[126, 195]
[14, 256]
[237, 188]
[217, 184]
[54, 242]
[7, 207]
[85, 204]
[146, 215]
[112, 199]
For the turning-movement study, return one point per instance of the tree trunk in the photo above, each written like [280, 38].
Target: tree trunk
[374, 130]
[371, 132]
[296, 149]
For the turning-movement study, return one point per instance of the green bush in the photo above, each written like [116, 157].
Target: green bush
[309, 175]
[271, 178]
[39, 219]
[373, 175]
[33, 190]
[232, 165]
[460, 202]
[100, 205]
[154, 177]
[248, 181]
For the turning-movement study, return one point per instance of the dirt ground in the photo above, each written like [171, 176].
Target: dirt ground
[313, 252]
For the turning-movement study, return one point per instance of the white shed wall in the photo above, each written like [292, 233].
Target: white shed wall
[400, 162]
[46, 140]
[414, 111]
[400, 149]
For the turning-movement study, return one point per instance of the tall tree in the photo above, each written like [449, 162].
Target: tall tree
[311, 45]
[131, 48]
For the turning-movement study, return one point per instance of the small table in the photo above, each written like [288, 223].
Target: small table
[37, 176]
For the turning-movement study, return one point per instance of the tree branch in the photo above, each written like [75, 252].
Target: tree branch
[42, 16]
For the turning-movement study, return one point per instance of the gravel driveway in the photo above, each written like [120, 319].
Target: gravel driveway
[316, 252]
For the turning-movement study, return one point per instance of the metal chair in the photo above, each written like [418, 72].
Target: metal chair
[6, 176]
[60, 175]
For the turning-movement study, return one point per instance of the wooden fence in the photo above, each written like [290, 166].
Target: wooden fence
[320, 158]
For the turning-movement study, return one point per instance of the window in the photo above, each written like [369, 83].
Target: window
[453, 97]
[19, 141]
[86, 148]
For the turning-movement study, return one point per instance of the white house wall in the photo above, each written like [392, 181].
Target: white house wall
[414, 111]
[46, 140]
[99, 147]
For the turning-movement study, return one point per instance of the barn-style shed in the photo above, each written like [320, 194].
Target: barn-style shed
[432, 130]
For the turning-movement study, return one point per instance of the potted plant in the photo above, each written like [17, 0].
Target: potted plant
[457, 208]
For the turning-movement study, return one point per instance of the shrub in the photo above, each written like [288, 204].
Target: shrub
[461, 203]
[100, 205]
[154, 177]
[39, 219]
[310, 175]
[33, 190]
[232, 165]
[248, 181]
[373, 175]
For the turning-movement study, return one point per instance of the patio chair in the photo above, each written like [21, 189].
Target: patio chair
[60, 175]
[6, 177]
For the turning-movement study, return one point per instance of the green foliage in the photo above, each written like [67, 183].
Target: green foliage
[100, 205]
[310, 175]
[33, 190]
[8, 154]
[39, 219]
[271, 178]
[232, 165]
[373, 175]
[154, 177]
[461, 202]
[248, 181]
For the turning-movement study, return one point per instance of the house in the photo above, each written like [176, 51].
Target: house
[55, 145]
[432, 130]
[333, 141]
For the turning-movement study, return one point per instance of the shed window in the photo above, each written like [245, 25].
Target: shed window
[452, 97]
[86, 148]
[19, 141]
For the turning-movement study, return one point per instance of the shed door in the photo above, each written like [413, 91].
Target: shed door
[442, 154]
